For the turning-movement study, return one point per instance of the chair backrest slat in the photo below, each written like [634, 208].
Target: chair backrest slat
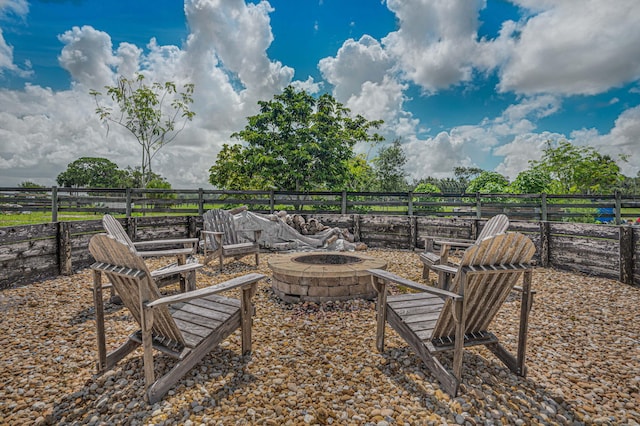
[116, 230]
[218, 220]
[108, 250]
[486, 291]
[494, 226]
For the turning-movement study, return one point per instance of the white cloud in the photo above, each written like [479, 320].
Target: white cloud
[574, 47]
[356, 63]
[8, 9]
[436, 42]
[436, 156]
[88, 57]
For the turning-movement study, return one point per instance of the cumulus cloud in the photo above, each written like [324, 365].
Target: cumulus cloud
[356, 62]
[436, 42]
[88, 56]
[573, 47]
[9, 9]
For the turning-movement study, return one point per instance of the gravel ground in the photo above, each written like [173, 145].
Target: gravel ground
[317, 364]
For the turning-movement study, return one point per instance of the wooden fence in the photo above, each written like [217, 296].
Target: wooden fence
[614, 208]
[30, 253]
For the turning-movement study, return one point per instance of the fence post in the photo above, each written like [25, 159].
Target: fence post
[64, 248]
[128, 194]
[478, 206]
[356, 228]
[545, 235]
[131, 227]
[413, 232]
[272, 201]
[626, 254]
[543, 207]
[475, 229]
[410, 203]
[54, 204]
[191, 227]
[343, 206]
[200, 202]
[618, 207]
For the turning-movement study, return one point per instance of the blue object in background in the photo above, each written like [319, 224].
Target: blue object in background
[605, 215]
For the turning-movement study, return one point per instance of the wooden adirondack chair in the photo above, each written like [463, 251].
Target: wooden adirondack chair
[221, 239]
[436, 320]
[186, 326]
[183, 250]
[494, 226]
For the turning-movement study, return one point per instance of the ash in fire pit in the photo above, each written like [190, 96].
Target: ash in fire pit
[323, 277]
[327, 259]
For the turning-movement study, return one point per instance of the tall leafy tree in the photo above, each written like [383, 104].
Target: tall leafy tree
[389, 168]
[362, 176]
[91, 172]
[464, 175]
[154, 114]
[296, 142]
[578, 170]
[30, 184]
[132, 178]
[535, 180]
[488, 182]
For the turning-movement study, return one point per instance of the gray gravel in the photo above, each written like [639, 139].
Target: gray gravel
[317, 364]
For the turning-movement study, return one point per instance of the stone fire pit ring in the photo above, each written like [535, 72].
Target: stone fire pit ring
[323, 276]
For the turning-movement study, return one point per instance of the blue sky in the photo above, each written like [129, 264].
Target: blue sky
[462, 83]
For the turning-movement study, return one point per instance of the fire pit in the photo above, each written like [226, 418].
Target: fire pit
[323, 276]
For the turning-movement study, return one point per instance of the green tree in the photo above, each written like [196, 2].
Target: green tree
[488, 183]
[389, 168]
[532, 181]
[362, 177]
[296, 142]
[428, 188]
[29, 184]
[132, 178]
[91, 172]
[578, 170]
[144, 112]
[630, 185]
[464, 175]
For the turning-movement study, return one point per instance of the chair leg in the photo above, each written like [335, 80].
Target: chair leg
[425, 272]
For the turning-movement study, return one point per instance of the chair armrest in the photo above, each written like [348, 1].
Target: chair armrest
[388, 276]
[211, 232]
[166, 242]
[256, 233]
[455, 243]
[520, 289]
[207, 291]
[444, 268]
[166, 252]
[175, 269]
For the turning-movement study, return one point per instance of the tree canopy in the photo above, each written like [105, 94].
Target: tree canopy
[296, 142]
[577, 169]
[91, 172]
[488, 183]
[97, 172]
[144, 112]
[389, 168]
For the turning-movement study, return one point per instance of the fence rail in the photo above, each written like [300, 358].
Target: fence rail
[612, 208]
